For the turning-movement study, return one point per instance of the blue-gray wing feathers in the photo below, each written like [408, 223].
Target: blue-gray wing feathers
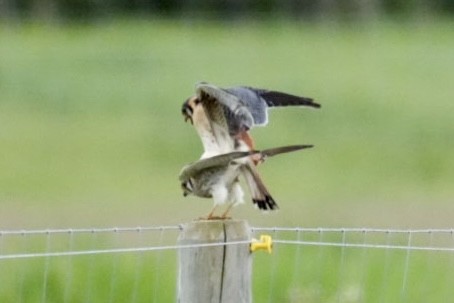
[259, 100]
[246, 107]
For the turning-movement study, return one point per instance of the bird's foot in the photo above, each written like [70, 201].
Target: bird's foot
[258, 159]
[225, 215]
[212, 216]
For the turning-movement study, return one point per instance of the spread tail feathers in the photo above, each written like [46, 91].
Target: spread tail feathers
[260, 195]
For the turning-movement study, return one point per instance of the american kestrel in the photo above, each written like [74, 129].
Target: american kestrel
[217, 177]
[222, 120]
[243, 108]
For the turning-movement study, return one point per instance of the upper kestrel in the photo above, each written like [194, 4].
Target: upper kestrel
[243, 108]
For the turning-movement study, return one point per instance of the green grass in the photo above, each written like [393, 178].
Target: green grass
[91, 132]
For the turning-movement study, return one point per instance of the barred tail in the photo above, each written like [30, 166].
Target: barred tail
[260, 195]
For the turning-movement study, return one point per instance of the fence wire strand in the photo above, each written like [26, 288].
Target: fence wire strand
[359, 245]
[89, 230]
[346, 257]
[275, 230]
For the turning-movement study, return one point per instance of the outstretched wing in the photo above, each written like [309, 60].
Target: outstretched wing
[258, 100]
[283, 149]
[237, 116]
[244, 107]
[194, 168]
[275, 98]
[224, 159]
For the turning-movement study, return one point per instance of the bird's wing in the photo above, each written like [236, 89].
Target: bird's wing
[275, 98]
[224, 159]
[237, 114]
[194, 168]
[258, 100]
[246, 107]
[218, 123]
[283, 149]
[251, 99]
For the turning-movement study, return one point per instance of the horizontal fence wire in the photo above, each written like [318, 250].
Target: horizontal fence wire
[118, 250]
[356, 230]
[88, 230]
[374, 246]
[49, 232]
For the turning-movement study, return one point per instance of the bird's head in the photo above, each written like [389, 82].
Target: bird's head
[187, 187]
[188, 108]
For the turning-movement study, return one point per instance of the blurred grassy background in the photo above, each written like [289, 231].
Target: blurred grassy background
[91, 132]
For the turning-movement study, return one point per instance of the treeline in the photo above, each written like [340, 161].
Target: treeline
[342, 9]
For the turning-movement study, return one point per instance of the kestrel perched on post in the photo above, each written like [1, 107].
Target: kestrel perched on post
[217, 177]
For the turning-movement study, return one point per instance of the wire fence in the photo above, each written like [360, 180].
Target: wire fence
[307, 265]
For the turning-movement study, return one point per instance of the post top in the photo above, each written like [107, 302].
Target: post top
[215, 230]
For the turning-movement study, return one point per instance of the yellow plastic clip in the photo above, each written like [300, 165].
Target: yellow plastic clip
[265, 243]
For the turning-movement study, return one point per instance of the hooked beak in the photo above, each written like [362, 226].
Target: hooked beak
[186, 110]
[186, 187]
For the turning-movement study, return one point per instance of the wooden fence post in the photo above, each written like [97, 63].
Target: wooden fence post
[215, 274]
